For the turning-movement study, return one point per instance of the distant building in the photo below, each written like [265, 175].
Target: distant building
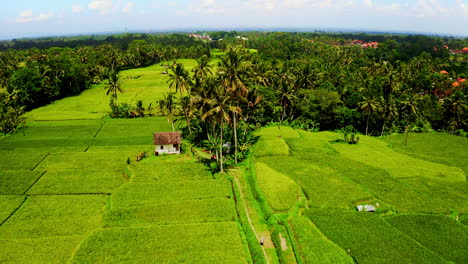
[167, 142]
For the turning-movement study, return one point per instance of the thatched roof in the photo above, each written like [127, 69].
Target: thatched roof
[166, 138]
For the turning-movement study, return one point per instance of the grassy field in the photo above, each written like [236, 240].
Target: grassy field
[441, 234]
[147, 84]
[315, 247]
[369, 239]
[336, 177]
[204, 243]
[66, 187]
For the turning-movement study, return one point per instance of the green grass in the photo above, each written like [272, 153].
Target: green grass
[374, 152]
[453, 195]
[323, 186]
[168, 169]
[48, 216]
[203, 243]
[8, 204]
[281, 191]
[369, 238]
[78, 181]
[18, 160]
[50, 250]
[94, 103]
[17, 181]
[278, 131]
[174, 212]
[379, 182]
[272, 142]
[147, 193]
[450, 150]
[313, 246]
[110, 161]
[117, 132]
[441, 234]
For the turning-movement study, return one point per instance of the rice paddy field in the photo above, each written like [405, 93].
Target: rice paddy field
[419, 191]
[71, 190]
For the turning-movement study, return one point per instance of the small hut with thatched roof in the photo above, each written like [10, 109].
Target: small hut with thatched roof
[167, 142]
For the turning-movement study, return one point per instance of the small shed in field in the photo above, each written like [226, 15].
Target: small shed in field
[167, 142]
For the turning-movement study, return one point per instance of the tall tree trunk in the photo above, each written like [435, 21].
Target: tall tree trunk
[188, 122]
[234, 118]
[383, 128]
[367, 123]
[221, 148]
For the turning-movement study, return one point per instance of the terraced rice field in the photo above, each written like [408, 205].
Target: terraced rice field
[68, 195]
[419, 190]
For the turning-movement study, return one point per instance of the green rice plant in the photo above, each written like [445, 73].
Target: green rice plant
[17, 181]
[78, 181]
[104, 160]
[9, 203]
[368, 238]
[441, 234]
[440, 148]
[453, 195]
[93, 103]
[278, 131]
[271, 146]
[50, 250]
[56, 130]
[18, 160]
[172, 212]
[50, 145]
[281, 191]
[201, 243]
[376, 181]
[172, 169]
[373, 152]
[147, 193]
[60, 215]
[283, 246]
[323, 186]
[313, 245]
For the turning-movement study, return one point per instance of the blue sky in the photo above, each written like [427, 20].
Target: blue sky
[25, 18]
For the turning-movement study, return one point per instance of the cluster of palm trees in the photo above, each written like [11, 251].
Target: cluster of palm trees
[341, 89]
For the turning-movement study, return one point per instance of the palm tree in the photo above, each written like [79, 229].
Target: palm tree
[203, 69]
[233, 70]
[179, 78]
[369, 106]
[454, 108]
[219, 112]
[114, 84]
[167, 105]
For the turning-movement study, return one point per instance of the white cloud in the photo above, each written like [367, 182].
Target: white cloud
[26, 13]
[77, 8]
[26, 16]
[172, 3]
[44, 16]
[209, 7]
[102, 6]
[128, 7]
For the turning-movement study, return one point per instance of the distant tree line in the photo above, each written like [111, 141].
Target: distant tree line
[34, 77]
[306, 80]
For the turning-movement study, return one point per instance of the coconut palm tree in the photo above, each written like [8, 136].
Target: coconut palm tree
[179, 79]
[219, 113]
[167, 106]
[368, 105]
[203, 68]
[114, 84]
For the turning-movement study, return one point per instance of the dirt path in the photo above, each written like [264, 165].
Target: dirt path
[266, 237]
